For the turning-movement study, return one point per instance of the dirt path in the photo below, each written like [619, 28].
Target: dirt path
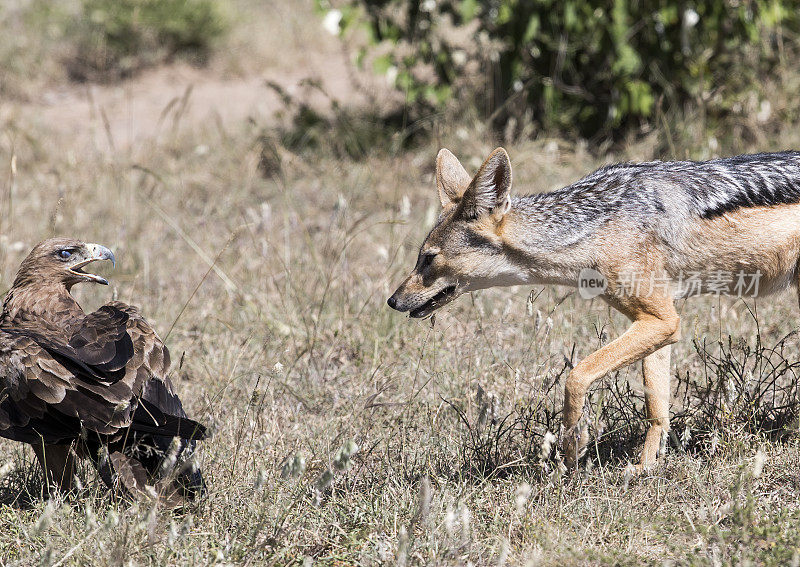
[155, 102]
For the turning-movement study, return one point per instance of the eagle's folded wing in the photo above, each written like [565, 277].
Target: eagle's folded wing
[160, 410]
[43, 399]
[111, 375]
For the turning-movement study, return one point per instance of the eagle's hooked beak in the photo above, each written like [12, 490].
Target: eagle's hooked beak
[96, 252]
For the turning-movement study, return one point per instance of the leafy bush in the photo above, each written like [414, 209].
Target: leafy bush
[585, 67]
[30, 32]
[115, 38]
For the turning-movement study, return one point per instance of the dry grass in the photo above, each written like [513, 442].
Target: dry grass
[305, 261]
[287, 348]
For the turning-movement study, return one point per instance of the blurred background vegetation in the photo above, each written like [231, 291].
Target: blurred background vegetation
[598, 70]
[721, 73]
[117, 37]
[102, 40]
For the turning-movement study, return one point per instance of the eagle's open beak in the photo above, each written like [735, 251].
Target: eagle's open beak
[96, 252]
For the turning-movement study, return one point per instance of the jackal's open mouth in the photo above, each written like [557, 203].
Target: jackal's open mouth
[445, 296]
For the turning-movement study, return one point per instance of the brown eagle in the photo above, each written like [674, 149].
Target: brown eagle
[91, 385]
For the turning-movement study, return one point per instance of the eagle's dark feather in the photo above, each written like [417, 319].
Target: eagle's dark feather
[90, 379]
[98, 379]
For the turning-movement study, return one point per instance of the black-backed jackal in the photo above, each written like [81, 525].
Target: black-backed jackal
[640, 234]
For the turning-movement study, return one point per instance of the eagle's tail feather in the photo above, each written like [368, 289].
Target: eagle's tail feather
[149, 419]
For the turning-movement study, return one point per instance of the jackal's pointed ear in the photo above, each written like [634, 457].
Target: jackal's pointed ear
[490, 190]
[451, 178]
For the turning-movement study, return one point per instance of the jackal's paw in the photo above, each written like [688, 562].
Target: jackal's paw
[571, 462]
[635, 471]
[632, 471]
[576, 439]
[647, 466]
[573, 452]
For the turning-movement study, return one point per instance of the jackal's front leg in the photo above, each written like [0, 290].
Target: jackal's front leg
[655, 324]
[655, 374]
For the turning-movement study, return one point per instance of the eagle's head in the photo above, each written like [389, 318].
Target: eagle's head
[62, 260]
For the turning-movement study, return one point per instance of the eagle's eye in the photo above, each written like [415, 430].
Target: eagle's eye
[64, 254]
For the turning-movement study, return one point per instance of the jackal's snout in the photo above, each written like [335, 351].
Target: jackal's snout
[399, 301]
[421, 301]
[392, 302]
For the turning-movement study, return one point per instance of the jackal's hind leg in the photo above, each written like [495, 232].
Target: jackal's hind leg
[655, 324]
[656, 374]
[58, 466]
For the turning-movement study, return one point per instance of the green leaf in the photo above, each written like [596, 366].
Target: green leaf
[533, 28]
[382, 64]
[469, 8]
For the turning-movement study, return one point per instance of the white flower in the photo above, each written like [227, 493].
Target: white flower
[764, 111]
[428, 6]
[690, 18]
[758, 463]
[332, 22]
[547, 443]
[459, 57]
[391, 75]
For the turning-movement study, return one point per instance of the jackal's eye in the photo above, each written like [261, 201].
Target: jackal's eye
[425, 260]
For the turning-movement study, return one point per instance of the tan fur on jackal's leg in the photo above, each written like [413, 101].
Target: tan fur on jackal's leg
[58, 466]
[656, 374]
[655, 324]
